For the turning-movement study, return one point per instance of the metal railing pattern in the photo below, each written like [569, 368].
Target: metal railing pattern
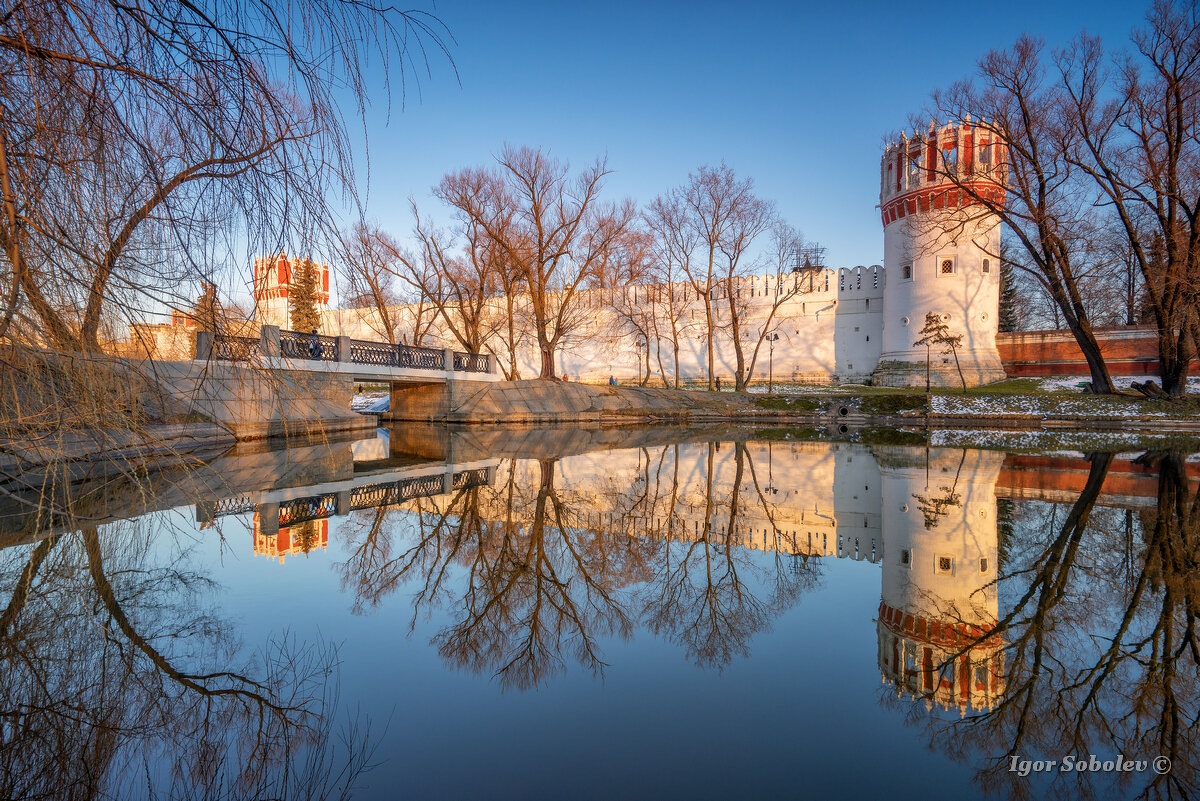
[470, 362]
[389, 355]
[235, 349]
[388, 493]
[319, 347]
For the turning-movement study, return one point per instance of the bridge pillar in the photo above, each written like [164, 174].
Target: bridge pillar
[268, 337]
[268, 519]
[448, 481]
[448, 363]
[343, 349]
[204, 345]
[343, 503]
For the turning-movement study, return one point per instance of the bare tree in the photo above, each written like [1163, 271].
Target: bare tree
[1015, 168]
[1138, 137]
[725, 216]
[551, 227]
[753, 316]
[368, 268]
[138, 141]
[674, 245]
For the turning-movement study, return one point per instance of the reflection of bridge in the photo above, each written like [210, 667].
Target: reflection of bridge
[281, 517]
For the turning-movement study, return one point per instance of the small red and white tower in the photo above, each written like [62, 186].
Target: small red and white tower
[941, 251]
[272, 277]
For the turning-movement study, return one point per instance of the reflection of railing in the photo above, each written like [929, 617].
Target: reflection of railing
[387, 493]
[232, 506]
[234, 349]
[301, 510]
[296, 345]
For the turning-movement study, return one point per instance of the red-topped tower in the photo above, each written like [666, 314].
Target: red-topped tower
[941, 247]
[272, 276]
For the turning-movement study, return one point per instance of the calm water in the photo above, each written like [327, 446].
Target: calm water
[619, 614]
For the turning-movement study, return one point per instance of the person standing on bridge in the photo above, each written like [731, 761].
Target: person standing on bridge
[314, 345]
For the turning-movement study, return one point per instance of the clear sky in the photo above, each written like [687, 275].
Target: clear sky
[798, 96]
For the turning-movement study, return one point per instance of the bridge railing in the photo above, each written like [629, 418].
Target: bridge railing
[389, 355]
[320, 347]
[317, 347]
[235, 349]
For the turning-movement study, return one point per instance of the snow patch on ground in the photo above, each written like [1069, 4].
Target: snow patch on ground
[370, 402]
[1122, 382]
[1091, 406]
[1042, 441]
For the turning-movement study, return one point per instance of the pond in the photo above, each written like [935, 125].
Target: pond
[600, 613]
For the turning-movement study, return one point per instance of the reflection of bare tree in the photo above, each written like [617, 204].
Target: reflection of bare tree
[935, 507]
[699, 596]
[113, 674]
[527, 583]
[536, 574]
[1100, 662]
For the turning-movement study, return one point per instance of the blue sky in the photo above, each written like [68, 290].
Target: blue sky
[797, 96]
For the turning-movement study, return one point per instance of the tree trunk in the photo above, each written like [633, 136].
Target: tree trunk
[1173, 362]
[547, 361]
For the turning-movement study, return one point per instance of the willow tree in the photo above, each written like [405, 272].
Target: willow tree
[142, 143]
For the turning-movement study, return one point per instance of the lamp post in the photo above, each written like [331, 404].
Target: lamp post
[771, 338]
[927, 369]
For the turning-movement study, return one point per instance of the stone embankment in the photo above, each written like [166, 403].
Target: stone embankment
[540, 401]
[556, 402]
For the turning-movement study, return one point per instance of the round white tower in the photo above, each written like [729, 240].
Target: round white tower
[939, 598]
[940, 254]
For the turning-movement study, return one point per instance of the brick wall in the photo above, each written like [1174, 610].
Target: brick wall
[1128, 351]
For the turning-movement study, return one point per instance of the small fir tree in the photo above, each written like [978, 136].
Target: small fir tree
[1010, 311]
[302, 297]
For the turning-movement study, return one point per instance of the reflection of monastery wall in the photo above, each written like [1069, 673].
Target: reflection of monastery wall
[807, 492]
[928, 517]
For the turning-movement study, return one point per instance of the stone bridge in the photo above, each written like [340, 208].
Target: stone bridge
[282, 382]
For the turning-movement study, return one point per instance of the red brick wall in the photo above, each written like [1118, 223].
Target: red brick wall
[1128, 351]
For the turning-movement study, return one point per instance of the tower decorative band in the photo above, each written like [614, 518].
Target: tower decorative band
[941, 255]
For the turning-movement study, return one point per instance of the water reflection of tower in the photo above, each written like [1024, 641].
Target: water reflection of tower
[278, 538]
[939, 570]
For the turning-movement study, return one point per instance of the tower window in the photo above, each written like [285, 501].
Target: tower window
[949, 157]
[906, 271]
[987, 266]
[904, 557]
[946, 266]
[983, 564]
[985, 153]
[945, 564]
